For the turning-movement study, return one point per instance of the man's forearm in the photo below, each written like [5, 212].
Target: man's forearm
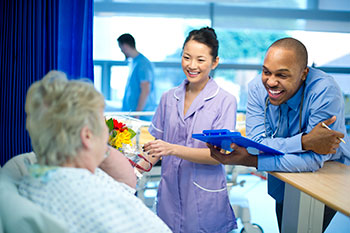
[306, 142]
[251, 161]
[142, 101]
[145, 90]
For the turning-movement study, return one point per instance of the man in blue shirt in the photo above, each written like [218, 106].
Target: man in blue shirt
[286, 108]
[139, 94]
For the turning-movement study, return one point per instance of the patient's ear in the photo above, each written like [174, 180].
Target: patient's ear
[86, 137]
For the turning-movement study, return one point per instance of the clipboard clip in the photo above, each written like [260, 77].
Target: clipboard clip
[213, 132]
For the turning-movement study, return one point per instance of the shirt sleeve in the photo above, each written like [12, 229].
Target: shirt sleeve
[144, 71]
[296, 162]
[156, 128]
[227, 117]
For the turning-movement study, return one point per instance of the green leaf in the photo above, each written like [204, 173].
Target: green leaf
[132, 133]
[110, 124]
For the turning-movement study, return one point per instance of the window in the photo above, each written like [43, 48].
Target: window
[160, 39]
[245, 29]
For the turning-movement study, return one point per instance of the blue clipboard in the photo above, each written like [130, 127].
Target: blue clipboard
[223, 139]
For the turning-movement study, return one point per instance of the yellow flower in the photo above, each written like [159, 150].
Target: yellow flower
[120, 139]
[119, 134]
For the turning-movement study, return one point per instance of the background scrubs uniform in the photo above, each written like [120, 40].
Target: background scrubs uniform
[141, 70]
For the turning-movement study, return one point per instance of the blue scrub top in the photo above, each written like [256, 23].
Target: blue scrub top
[141, 70]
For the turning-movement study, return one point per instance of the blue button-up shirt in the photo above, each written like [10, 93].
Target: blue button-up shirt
[322, 100]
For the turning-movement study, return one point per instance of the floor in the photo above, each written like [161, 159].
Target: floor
[262, 207]
[253, 194]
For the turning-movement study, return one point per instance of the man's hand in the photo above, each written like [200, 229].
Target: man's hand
[239, 156]
[321, 140]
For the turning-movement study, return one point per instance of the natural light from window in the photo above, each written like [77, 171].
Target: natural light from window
[155, 37]
[160, 39]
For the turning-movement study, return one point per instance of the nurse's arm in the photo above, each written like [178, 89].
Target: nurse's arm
[158, 148]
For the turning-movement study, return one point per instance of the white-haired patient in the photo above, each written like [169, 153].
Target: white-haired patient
[69, 137]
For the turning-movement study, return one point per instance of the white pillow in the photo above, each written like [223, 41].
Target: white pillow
[16, 167]
[19, 214]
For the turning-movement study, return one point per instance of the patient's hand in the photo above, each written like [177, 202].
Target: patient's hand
[119, 168]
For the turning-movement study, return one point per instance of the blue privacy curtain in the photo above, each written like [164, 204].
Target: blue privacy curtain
[37, 36]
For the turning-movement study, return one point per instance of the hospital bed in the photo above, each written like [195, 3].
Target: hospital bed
[239, 202]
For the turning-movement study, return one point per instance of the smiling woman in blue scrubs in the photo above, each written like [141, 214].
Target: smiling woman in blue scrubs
[192, 195]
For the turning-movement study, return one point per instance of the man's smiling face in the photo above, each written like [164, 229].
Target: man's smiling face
[282, 74]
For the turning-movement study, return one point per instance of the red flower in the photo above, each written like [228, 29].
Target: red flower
[119, 126]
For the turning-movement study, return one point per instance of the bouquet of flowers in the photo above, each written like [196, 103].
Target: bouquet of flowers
[120, 136]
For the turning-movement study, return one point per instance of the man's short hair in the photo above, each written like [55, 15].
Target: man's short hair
[127, 39]
[295, 45]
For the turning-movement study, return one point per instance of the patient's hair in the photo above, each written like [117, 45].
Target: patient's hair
[57, 110]
[295, 45]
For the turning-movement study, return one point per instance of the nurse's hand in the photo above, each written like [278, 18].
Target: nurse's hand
[239, 156]
[158, 148]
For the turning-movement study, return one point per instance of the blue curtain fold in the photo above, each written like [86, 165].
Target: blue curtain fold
[75, 38]
[37, 36]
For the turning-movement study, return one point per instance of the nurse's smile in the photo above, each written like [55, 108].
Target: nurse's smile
[193, 74]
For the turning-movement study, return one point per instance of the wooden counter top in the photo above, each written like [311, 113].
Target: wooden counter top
[330, 184]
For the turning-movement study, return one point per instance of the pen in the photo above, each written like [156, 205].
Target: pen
[326, 126]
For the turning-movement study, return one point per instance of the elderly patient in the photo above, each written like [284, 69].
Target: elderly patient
[69, 136]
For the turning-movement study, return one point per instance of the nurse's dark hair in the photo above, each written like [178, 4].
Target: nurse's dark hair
[127, 39]
[207, 36]
[295, 45]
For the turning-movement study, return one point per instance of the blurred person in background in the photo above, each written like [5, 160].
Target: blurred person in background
[139, 94]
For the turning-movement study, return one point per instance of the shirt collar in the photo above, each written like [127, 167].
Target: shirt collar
[137, 57]
[210, 90]
[294, 102]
